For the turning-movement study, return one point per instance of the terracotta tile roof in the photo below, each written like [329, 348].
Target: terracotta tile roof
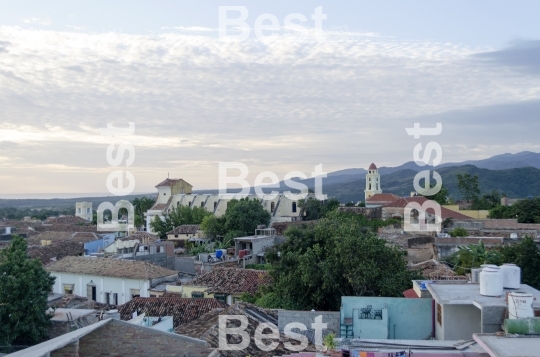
[66, 228]
[435, 270]
[383, 197]
[117, 268]
[185, 229]
[141, 236]
[67, 220]
[158, 207]
[372, 167]
[169, 182]
[47, 253]
[84, 237]
[207, 328]
[410, 294]
[445, 212]
[232, 280]
[182, 310]
[52, 236]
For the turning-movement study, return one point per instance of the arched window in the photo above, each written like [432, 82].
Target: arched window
[272, 206]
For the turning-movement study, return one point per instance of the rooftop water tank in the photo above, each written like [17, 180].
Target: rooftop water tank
[491, 282]
[513, 236]
[511, 276]
[520, 305]
[475, 275]
[219, 253]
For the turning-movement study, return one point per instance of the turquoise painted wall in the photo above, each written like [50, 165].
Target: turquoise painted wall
[411, 319]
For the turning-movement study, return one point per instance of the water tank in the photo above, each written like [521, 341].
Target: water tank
[520, 305]
[219, 254]
[475, 275]
[112, 314]
[511, 276]
[513, 236]
[491, 282]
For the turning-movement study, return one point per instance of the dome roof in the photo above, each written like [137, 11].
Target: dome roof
[372, 167]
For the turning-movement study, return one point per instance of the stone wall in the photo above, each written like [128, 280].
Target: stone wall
[368, 212]
[331, 318]
[71, 350]
[160, 259]
[185, 265]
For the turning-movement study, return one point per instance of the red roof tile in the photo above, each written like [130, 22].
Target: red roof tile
[372, 167]
[232, 280]
[383, 197]
[445, 212]
[182, 310]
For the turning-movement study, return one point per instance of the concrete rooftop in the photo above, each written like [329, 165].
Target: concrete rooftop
[469, 294]
[500, 346]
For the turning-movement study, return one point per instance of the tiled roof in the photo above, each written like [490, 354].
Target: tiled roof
[117, 268]
[185, 229]
[158, 207]
[232, 280]
[383, 197]
[169, 182]
[141, 236]
[56, 251]
[445, 212]
[84, 237]
[66, 228]
[67, 220]
[435, 270]
[372, 167]
[182, 310]
[52, 236]
[207, 328]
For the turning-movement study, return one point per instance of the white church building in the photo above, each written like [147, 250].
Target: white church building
[177, 192]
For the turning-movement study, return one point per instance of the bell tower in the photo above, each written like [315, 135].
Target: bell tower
[373, 182]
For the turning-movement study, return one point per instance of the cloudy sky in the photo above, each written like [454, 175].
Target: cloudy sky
[342, 97]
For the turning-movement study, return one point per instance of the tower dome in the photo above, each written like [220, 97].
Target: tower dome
[372, 167]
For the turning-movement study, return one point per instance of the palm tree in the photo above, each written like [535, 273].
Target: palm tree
[141, 205]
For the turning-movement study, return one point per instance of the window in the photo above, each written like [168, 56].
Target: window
[107, 298]
[115, 299]
[202, 204]
[272, 206]
[79, 210]
[215, 205]
[88, 210]
[190, 203]
[221, 297]
[439, 314]
[68, 288]
[197, 294]
[294, 207]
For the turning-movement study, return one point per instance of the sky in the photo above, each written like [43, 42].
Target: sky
[341, 96]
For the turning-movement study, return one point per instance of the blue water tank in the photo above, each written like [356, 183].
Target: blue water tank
[219, 253]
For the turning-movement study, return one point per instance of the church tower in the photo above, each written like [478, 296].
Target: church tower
[373, 182]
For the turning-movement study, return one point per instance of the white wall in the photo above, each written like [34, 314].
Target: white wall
[460, 322]
[103, 284]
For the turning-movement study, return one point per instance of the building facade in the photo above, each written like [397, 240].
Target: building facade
[84, 210]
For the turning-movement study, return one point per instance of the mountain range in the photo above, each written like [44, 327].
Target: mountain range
[516, 175]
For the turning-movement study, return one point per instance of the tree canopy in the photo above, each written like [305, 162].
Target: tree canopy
[312, 208]
[24, 288]
[178, 216]
[141, 205]
[340, 255]
[526, 211]
[240, 219]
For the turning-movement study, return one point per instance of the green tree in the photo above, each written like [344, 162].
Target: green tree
[440, 197]
[474, 255]
[468, 187]
[526, 211]
[141, 205]
[340, 255]
[526, 255]
[178, 216]
[244, 215]
[459, 232]
[24, 288]
[313, 209]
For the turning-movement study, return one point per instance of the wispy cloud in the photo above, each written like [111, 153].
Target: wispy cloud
[43, 20]
[279, 105]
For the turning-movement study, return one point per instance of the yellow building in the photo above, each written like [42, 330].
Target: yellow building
[476, 214]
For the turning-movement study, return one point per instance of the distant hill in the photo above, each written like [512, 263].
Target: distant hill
[55, 203]
[515, 183]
